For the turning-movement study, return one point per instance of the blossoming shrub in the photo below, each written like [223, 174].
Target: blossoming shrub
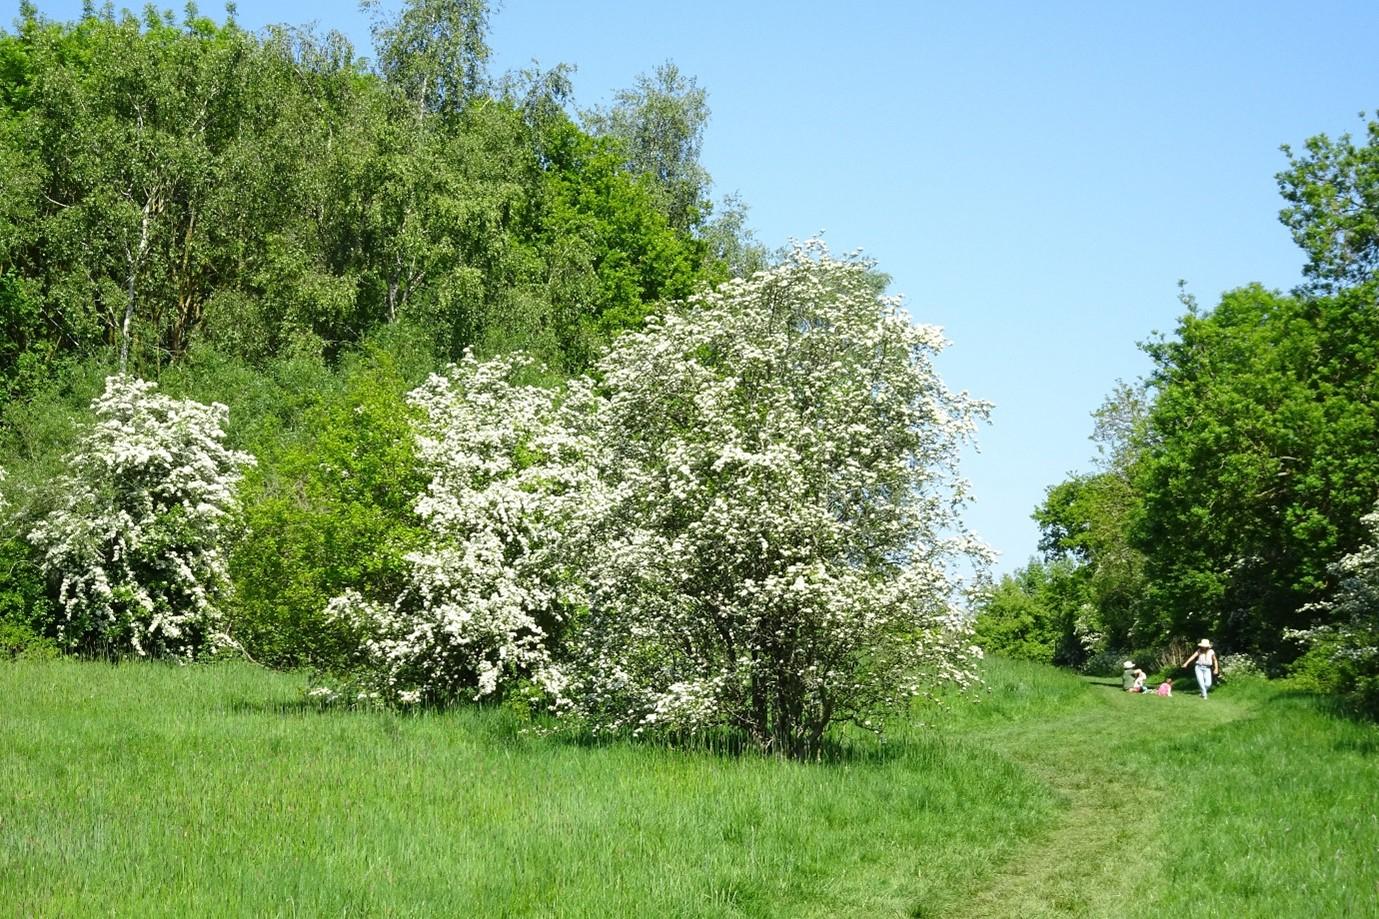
[487, 592]
[136, 542]
[774, 543]
[1343, 656]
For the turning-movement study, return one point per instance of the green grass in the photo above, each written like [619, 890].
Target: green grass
[148, 790]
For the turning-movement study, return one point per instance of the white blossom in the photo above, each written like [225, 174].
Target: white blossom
[774, 542]
[487, 591]
[749, 516]
[1351, 634]
[136, 541]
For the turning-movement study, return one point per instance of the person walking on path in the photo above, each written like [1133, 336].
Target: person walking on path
[1207, 665]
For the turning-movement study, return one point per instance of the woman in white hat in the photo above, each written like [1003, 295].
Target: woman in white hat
[1207, 665]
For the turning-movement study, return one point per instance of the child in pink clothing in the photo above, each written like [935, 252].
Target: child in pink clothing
[1165, 688]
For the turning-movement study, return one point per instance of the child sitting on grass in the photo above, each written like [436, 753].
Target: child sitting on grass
[1165, 688]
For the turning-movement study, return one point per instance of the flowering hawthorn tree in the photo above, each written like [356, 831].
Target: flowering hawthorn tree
[774, 543]
[1349, 645]
[487, 593]
[136, 540]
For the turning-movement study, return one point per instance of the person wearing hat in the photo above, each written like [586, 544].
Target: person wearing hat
[1207, 665]
[1127, 679]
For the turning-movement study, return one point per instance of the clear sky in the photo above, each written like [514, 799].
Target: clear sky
[1036, 177]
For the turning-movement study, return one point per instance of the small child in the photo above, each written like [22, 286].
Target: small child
[1139, 684]
[1165, 688]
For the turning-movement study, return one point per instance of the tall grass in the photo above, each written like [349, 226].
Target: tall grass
[148, 790]
[1277, 815]
[151, 790]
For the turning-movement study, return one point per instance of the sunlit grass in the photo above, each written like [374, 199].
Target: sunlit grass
[152, 790]
[1277, 815]
[149, 790]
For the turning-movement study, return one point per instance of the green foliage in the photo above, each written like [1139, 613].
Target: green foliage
[434, 52]
[611, 254]
[25, 609]
[1087, 519]
[1262, 465]
[658, 126]
[1343, 657]
[1332, 191]
[168, 185]
[35, 434]
[328, 509]
[1037, 614]
[262, 221]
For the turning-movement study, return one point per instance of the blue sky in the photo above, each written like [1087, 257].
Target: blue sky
[1036, 178]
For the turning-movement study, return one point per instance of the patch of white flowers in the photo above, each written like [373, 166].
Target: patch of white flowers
[136, 539]
[1238, 665]
[489, 590]
[1352, 637]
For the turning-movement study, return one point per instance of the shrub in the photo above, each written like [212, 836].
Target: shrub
[1343, 655]
[748, 519]
[772, 542]
[136, 541]
[1238, 665]
[25, 609]
[485, 592]
[328, 509]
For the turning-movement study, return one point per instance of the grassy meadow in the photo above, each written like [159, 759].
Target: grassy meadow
[153, 790]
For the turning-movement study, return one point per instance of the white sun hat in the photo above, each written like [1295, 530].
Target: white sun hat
[1204, 643]
[1129, 665]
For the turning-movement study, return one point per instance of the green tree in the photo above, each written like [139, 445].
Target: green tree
[1262, 462]
[1332, 192]
[435, 52]
[659, 124]
[1087, 520]
[1038, 613]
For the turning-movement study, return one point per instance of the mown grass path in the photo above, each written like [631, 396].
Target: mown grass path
[1100, 763]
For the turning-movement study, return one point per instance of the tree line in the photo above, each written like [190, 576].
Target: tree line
[1234, 481]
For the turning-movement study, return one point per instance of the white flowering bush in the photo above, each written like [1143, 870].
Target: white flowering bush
[1238, 665]
[774, 543]
[1343, 655]
[136, 541]
[487, 594]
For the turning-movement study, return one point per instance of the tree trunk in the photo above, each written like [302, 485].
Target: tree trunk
[136, 259]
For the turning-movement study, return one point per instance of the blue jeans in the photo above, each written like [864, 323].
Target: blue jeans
[1204, 678]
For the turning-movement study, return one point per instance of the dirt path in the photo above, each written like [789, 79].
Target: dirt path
[1089, 864]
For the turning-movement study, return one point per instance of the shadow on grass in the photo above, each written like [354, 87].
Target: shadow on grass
[1336, 708]
[293, 707]
[847, 746]
[735, 745]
